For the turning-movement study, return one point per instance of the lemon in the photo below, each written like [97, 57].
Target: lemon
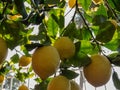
[97, 1]
[24, 61]
[98, 72]
[65, 47]
[3, 50]
[2, 78]
[74, 85]
[71, 3]
[59, 83]
[45, 61]
[23, 87]
[114, 22]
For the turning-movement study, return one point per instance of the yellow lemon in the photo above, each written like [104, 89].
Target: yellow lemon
[45, 61]
[23, 87]
[74, 85]
[59, 83]
[2, 78]
[3, 50]
[98, 72]
[24, 61]
[71, 3]
[65, 47]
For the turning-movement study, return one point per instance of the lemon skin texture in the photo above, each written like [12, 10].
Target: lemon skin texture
[3, 50]
[45, 61]
[98, 72]
[24, 61]
[65, 47]
[59, 83]
[74, 85]
[23, 87]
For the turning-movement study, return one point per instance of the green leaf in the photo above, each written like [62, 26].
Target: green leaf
[85, 3]
[116, 4]
[80, 59]
[52, 1]
[69, 74]
[32, 46]
[71, 31]
[53, 27]
[87, 47]
[116, 80]
[115, 58]
[15, 58]
[106, 32]
[101, 10]
[99, 19]
[21, 8]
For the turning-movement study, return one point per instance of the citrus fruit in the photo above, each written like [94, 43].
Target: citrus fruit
[23, 87]
[74, 85]
[97, 1]
[71, 3]
[65, 47]
[45, 61]
[3, 50]
[98, 72]
[24, 61]
[2, 78]
[114, 23]
[59, 83]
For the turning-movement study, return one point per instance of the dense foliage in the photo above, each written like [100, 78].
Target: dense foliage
[94, 28]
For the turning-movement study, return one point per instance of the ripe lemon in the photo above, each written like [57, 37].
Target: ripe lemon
[24, 61]
[65, 47]
[71, 3]
[59, 83]
[98, 72]
[3, 50]
[74, 85]
[23, 87]
[45, 61]
[2, 78]
[97, 1]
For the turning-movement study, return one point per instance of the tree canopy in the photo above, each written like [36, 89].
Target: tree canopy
[93, 27]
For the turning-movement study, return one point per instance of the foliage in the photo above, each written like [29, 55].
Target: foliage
[35, 23]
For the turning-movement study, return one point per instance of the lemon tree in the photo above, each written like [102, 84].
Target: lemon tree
[62, 37]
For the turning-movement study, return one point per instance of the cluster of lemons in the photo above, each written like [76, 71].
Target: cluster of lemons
[46, 61]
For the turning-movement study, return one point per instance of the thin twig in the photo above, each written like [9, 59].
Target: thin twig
[89, 29]
[5, 8]
[112, 11]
